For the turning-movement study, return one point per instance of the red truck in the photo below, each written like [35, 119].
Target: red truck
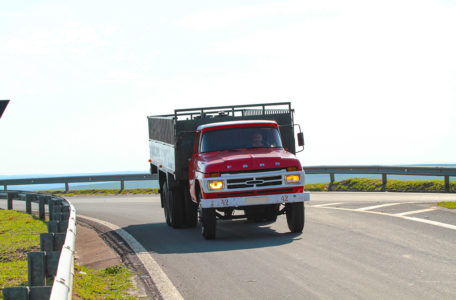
[213, 162]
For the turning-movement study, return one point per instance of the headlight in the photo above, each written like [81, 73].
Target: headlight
[292, 178]
[216, 184]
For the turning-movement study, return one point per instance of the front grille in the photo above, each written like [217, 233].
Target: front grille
[252, 182]
[255, 193]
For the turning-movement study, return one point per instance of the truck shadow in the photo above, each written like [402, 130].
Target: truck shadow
[231, 235]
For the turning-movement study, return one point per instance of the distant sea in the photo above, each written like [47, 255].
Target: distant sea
[314, 178]
[82, 185]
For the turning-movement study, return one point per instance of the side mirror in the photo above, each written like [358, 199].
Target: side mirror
[301, 139]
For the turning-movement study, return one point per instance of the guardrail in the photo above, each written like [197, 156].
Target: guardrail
[55, 260]
[446, 172]
[79, 179]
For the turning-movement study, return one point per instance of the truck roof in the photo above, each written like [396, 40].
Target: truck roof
[237, 124]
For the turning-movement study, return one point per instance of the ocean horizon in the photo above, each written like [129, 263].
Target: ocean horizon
[310, 178]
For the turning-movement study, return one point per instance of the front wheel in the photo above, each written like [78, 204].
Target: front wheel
[295, 216]
[208, 221]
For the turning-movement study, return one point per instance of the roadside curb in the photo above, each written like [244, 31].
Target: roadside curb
[152, 281]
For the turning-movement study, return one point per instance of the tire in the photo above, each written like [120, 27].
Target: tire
[208, 221]
[271, 212]
[165, 195]
[191, 210]
[295, 216]
[176, 208]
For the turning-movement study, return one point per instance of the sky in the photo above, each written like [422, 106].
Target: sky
[371, 82]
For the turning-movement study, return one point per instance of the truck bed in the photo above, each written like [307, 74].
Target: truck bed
[171, 137]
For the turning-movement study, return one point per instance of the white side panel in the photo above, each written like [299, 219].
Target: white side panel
[162, 154]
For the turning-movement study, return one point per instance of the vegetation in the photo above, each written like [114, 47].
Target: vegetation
[110, 283]
[375, 185]
[450, 205]
[95, 192]
[19, 234]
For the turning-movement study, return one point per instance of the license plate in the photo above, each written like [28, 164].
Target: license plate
[256, 200]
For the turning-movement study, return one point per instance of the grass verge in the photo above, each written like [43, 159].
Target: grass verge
[110, 283]
[450, 205]
[19, 234]
[375, 185]
[95, 192]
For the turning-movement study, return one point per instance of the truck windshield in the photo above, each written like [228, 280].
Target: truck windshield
[240, 138]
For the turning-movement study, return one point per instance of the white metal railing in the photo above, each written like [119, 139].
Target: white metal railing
[63, 281]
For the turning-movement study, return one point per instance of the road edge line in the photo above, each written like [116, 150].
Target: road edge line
[164, 285]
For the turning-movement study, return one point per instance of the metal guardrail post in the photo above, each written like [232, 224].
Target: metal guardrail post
[332, 179]
[28, 203]
[27, 293]
[67, 187]
[51, 209]
[122, 185]
[447, 183]
[384, 182]
[39, 292]
[42, 207]
[17, 293]
[36, 268]
[42, 265]
[10, 200]
[51, 241]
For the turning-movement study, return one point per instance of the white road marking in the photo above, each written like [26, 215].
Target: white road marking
[326, 204]
[416, 211]
[161, 280]
[435, 223]
[440, 224]
[377, 206]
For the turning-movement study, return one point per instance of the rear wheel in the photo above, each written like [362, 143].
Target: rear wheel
[295, 216]
[191, 210]
[254, 213]
[173, 206]
[271, 212]
[165, 198]
[176, 208]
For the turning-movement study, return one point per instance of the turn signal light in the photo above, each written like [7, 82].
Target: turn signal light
[214, 175]
[216, 184]
[292, 178]
[291, 169]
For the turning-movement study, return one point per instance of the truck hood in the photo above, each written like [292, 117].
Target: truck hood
[246, 160]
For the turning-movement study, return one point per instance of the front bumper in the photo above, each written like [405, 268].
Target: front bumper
[254, 200]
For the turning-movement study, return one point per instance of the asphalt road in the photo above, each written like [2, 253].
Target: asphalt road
[354, 245]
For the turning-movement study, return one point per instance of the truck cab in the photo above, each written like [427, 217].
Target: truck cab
[236, 168]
